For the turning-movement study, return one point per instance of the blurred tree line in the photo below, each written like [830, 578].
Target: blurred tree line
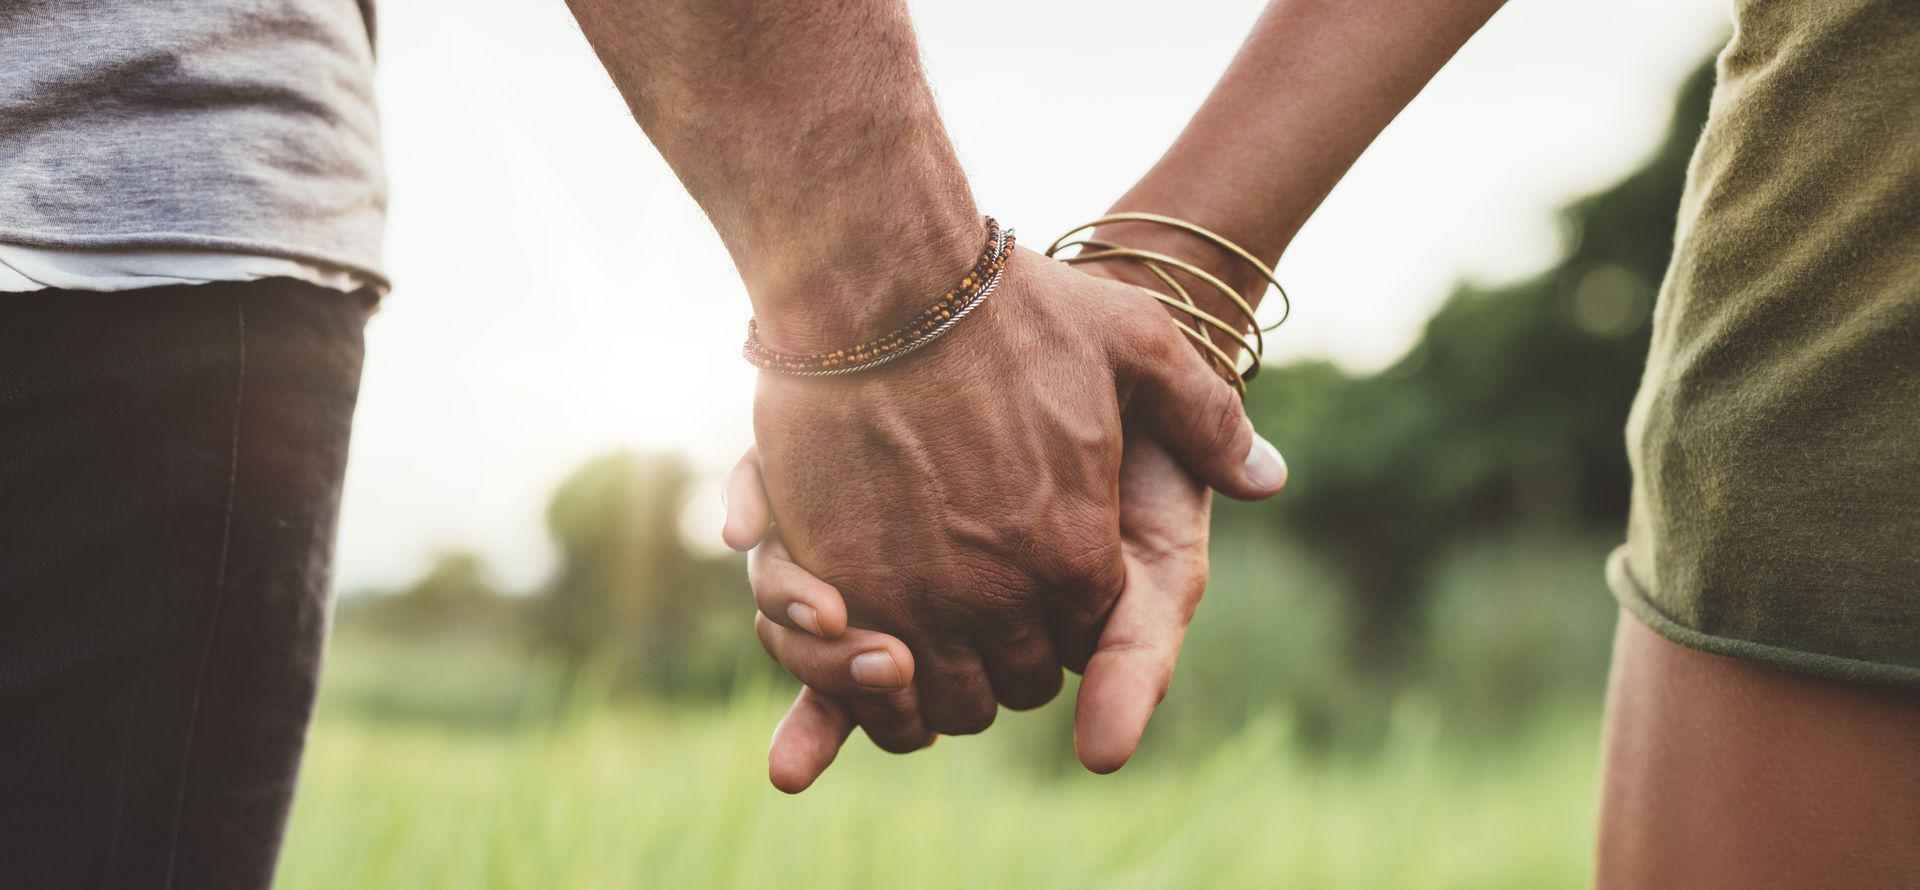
[1506, 418]
[630, 600]
[1510, 410]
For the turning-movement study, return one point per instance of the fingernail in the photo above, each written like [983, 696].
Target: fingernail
[876, 669]
[1265, 469]
[808, 619]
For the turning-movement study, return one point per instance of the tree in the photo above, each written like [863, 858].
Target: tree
[627, 586]
[1509, 410]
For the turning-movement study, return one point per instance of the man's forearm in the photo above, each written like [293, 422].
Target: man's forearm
[808, 134]
[1313, 85]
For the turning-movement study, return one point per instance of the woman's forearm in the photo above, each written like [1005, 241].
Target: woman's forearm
[1312, 86]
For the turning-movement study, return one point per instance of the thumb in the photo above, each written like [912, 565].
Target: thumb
[807, 740]
[1129, 672]
[1198, 416]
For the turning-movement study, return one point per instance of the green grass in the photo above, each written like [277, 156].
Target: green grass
[454, 760]
[629, 797]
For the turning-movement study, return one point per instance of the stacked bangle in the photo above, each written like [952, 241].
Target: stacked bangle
[1247, 339]
[972, 291]
[1238, 360]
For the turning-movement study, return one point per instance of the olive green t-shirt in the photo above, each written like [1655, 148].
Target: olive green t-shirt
[1776, 438]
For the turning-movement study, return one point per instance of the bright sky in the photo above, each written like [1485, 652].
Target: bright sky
[558, 295]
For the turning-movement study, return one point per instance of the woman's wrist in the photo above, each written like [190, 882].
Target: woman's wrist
[1229, 268]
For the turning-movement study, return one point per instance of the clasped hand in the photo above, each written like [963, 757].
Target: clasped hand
[1028, 494]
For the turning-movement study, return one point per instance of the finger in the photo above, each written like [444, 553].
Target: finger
[1199, 417]
[869, 672]
[892, 720]
[1128, 674]
[861, 662]
[1079, 615]
[878, 695]
[790, 595]
[807, 740]
[745, 496]
[1078, 610]
[956, 698]
[1076, 634]
[1023, 670]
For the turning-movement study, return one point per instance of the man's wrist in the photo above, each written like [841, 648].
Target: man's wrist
[860, 276]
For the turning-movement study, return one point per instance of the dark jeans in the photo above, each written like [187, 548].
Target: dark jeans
[170, 468]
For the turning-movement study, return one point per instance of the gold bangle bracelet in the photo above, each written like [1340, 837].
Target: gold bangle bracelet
[1205, 234]
[1156, 263]
[1097, 250]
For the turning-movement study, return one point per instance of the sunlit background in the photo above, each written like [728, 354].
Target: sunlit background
[543, 675]
[557, 294]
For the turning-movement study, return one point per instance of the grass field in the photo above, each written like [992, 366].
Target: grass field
[459, 763]
[622, 798]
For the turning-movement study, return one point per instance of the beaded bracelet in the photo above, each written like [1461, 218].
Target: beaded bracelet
[972, 291]
[1247, 338]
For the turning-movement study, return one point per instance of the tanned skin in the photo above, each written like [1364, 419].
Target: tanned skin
[1718, 773]
[1306, 94]
[808, 134]
[966, 500]
[1724, 774]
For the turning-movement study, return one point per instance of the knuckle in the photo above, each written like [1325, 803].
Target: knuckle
[1074, 656]
[896, 743]
[895, 726]
[1150, 334]
[1091, 577]
[971, 593]
[1022, 636]
[879, 598]
[1004, 601]
[1222, 428]
[892, 720]
[1040, 690]
[1123, 319]
[968, 719]
[1133, 310]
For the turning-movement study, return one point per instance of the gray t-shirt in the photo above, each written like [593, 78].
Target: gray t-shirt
[242, 126]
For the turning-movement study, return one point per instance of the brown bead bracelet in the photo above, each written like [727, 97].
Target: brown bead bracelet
[973, 290]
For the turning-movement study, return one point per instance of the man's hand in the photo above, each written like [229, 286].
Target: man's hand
[1163, 514]
[966, 500]
[856, 676]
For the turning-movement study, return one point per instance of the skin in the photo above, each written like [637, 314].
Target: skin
[1721, 773]
[999, 553]
[1717, 773]
[1163, 524]
[808, 134]
[1314, 84]
[1164, 529]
